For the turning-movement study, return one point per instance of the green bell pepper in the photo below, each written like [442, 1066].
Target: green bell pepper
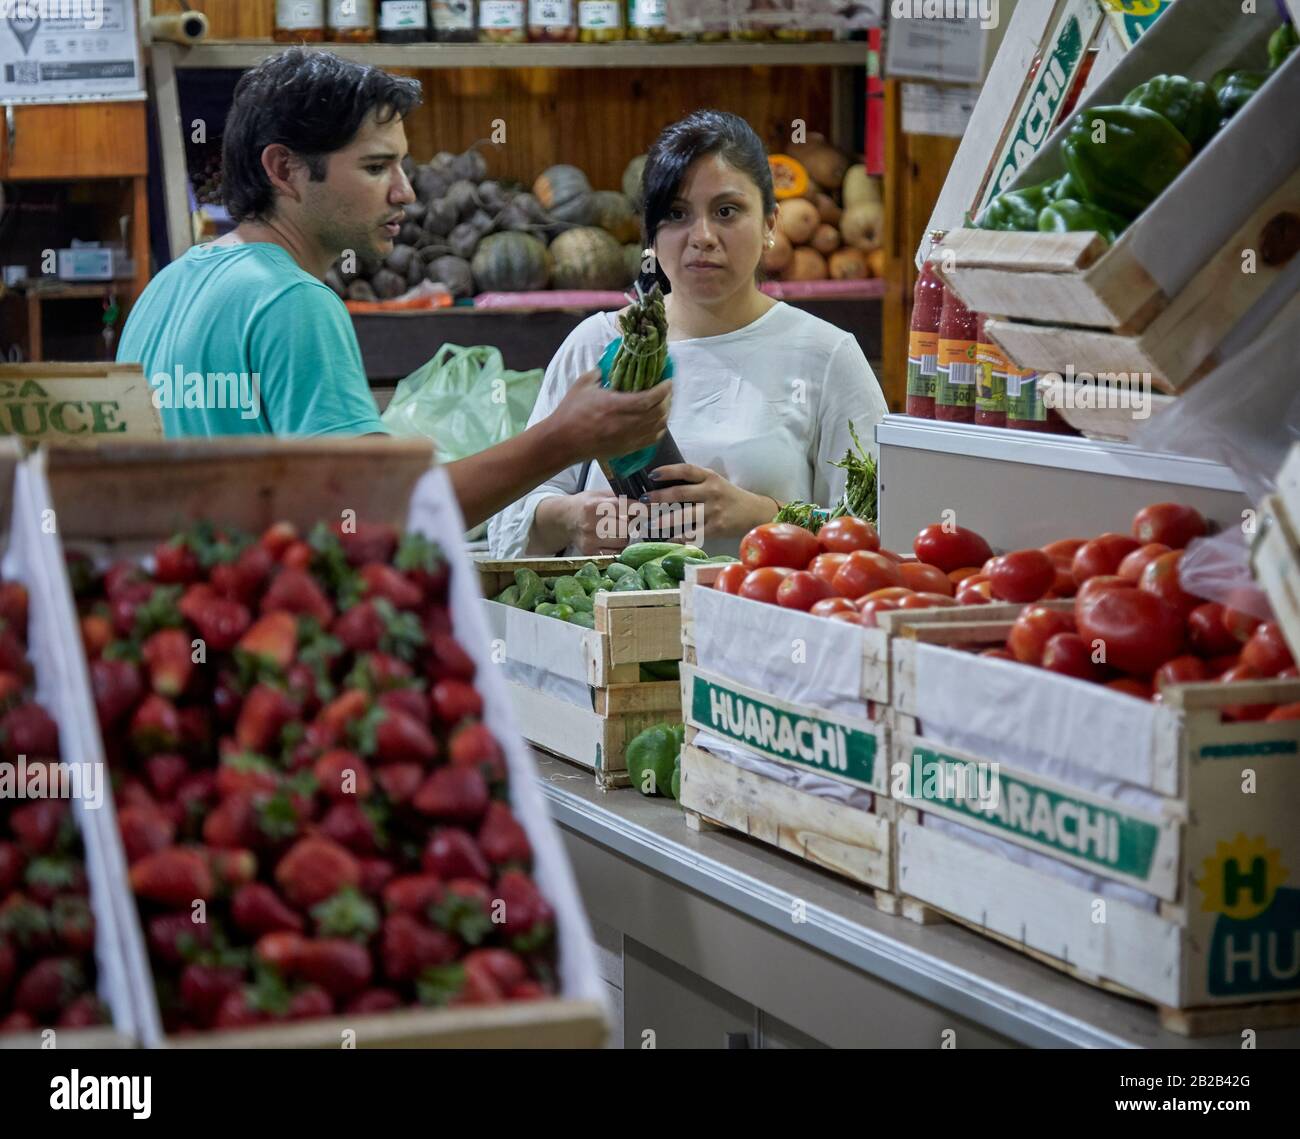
[1281, 44]
[1065, 187]
[1191, 106]
[588, 577]
[531, 589]
[651, 757]
[1124, 157]
[1016, 209]
[1067, 216]
[1236, 88]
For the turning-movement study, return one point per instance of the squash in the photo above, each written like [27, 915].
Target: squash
[613, 213]
[849, 265]
[778, 256]
[565, 194]
[789, 178]
[825, 239]
[876, 262]
[588, 258]
[859, 187]
[827, 210]
[632, 181]
[633, 255]
[798, 220]
[862, 226]
[806, 264]
[511, 263]
[824, 163]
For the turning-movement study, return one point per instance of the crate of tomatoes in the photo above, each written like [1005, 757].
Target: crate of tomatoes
[1132, 753]
[324, 814]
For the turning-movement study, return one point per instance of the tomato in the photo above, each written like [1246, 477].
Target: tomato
[1168, 522]
[1161, 578]
[957, 576]
[1065, 548]
[1130, 569]
[1138, 630]
[728, 581]
[844, 535]
[1133, 687]
[801, 590]
[1063, 585]
[1221, 663]
[1284, 712]
[893, 592]
[1266, 651]
[1291, 673]
[762, 584]
[829, 606]
[1181, 670]
[893, 557]
[1070, 655]
[851, 618]
[950, 547]
[1243, 711]
[1207, 633]
[778, 544]
[1101, 555]
[1023, 575]
[997, 654]
[977, 590]
[868, 609]
[924, 578]
[825, 566]
[1094, 587]
[934, 600]
[1240, 624]
[864, 572]
[1033, 629]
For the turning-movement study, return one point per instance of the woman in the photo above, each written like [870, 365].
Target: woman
[764, 392]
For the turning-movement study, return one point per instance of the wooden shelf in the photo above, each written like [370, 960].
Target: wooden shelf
[236, 54]
[95, 291]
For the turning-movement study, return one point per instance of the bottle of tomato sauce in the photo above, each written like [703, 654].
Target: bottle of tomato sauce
[991, 380]
[923, 339]
[954, 389]
[1025, 408]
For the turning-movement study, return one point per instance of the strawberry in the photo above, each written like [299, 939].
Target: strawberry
[242, 579]
[273, 639]
[25, 924]
[40, 825]
[13, 657]
[295, 591]
[49, 986]
[407, 947]
[121, 575]
[373, 1000]
[412, 894]
[454, 794]
[305, 688]
[383, 581]
[505, 968]
[117, 687]
[409, 701]
[360, 628]
[309, 1003]
[400, 781]
[232, 825]
[196, 792]
[376, 873]
[452, 853]
[96, 634]
[277, 537]
[167, 658]
[502, 838]
[84, 1012]
[133, 793]
[527, 991]
[349, 913]
[257, 909]
[204, 987]
[436, 620]
[8, 966]
[424, 565]
[194, 599]
[175, 562]
[176, 938]
[173, 877]
[145, 831]
[456, 985]
[220, 621]
[12, 687]
[244, 771]
[473, 745]
[47, 877]
[18, 1022]
[313, 869]
[448, 659]
[123, 608]
[13, 606]
[464, 910]
[280, 949]
[381, 671]
[232, 868]
[155, 726]
[351, 826]
[265, 712]
[343, 776]
[400, 738]
[367, 541]
[238, 1010]
[342, 710]
[529, 919]
[297, 555]
[341, 967]
[226, 699]
[12, 863]
[165, 772]
[454, 700]
[73, 924]
[29, 730]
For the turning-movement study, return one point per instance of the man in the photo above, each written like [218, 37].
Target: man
[312, 167]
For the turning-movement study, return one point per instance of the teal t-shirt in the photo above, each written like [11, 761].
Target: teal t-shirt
[240, 340]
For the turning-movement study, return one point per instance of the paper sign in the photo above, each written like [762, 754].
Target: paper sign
[937, 110]
[55, 50]
[941, 50]
[77, 403]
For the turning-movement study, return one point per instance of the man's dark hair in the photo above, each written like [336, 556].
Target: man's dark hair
[314, 103]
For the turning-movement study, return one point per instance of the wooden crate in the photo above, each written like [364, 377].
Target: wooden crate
[1207, 833]
[1275, 560]
[1102, 410]
[119, 500]
[600, 667]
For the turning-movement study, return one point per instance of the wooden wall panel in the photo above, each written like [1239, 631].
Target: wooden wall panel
[85, 140]
[230, 19]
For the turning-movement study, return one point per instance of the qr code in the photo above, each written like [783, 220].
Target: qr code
[26, 72]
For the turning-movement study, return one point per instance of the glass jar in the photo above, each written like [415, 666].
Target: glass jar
[453, 21]
[600, 21]
[502, 21]
[403, 21]
[551, 22]
[648, 20]
[352, 21]
[299, 21]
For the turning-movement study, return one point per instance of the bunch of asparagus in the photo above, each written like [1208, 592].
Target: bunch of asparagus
[639, 361]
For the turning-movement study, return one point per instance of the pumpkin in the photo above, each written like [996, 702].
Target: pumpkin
[798, 220]
[827, 210]
[876, 262]
[848, 265]
[511, 263]
[632, 181]
[565, 194]
[613, 213]
[859, 187]
[588, 258]
[778, 256]
[455, 273]
[806, 264]
[825, 164]
[825, 239]
[789, 178]
[862, 225]
[633, 255]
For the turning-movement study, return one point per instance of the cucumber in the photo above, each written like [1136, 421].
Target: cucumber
[588, 577]
[656, 577]
[616, 571]
[630, 582]
[586, 620]
[569, 591]
[637, 554]
[531, 589]
[508, 596]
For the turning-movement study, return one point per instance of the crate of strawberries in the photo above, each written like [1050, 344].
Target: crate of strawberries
[324, 813]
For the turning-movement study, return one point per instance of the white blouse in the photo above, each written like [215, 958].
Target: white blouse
[767, 407]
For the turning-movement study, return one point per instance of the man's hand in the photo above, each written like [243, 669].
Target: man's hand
[593, 522]
[592, 422]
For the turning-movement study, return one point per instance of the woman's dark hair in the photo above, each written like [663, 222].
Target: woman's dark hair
[699, 134]
[314, 103]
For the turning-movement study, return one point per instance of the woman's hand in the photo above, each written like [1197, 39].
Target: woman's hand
[593, 522]
[720, 508]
